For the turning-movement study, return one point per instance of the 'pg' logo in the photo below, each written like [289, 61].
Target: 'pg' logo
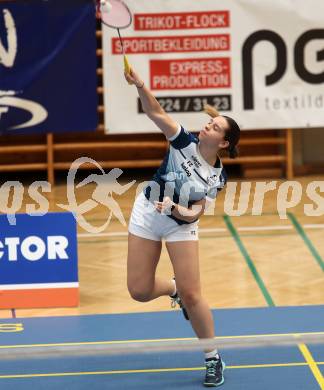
[34, 248]
[281, 60]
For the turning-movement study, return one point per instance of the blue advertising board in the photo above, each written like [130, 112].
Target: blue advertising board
[38, 260]
[48, 66]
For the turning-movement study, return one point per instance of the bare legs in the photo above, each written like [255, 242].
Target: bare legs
[185, 260]
[143, 258]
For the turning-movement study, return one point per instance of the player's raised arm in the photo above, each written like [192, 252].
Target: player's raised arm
[152, 107]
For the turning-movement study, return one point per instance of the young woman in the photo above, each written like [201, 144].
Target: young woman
[169, 208]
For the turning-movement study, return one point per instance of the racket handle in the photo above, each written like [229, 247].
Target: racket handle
[127, 67]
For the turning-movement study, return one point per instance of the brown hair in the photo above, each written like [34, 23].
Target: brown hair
[232, 136]
[232, 133]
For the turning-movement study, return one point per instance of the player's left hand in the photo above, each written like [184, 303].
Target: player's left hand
[165, 206]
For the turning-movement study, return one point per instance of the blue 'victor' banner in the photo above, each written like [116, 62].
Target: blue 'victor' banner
[47, 66]
[38, 249]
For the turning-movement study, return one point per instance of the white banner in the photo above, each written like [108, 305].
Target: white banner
[261, 62]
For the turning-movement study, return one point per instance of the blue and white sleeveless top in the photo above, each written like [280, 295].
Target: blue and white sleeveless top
[184, 175]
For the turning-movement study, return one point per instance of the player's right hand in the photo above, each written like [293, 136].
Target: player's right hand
[133, 78]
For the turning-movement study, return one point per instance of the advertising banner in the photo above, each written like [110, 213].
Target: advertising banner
[261, 62]
[38, 261]
[47, 66]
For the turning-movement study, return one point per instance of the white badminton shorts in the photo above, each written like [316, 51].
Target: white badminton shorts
[148, 223]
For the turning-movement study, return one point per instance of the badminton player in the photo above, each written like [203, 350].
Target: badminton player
[188, 179]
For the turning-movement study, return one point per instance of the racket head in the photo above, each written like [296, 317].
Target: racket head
[119, 15]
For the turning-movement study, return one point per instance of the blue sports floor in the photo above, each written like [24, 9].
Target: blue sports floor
[296, 367]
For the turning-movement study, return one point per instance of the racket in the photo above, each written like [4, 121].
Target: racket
[115, 14]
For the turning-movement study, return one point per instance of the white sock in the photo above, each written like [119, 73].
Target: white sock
[212, 354]
[175, 288]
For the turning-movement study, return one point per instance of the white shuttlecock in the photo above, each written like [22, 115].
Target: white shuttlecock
[105, 6]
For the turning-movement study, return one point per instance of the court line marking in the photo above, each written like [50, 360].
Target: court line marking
[306, 240]
[214, 230]
[154, 340]
[313, 226]
[312, 364]
[302, 347]
[152, 370]
[308, 357]
[249, 261]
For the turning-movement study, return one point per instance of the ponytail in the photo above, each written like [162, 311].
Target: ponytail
[211, 111]
[232, 136]
[233, 151]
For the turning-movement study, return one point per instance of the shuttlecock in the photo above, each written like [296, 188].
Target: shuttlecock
[105, 6]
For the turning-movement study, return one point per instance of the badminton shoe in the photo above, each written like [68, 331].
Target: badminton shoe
[214, 372]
